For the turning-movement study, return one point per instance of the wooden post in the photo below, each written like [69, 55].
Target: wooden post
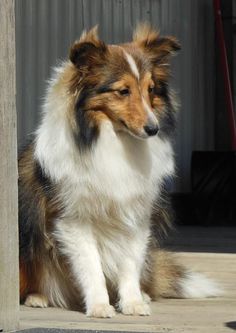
[9, 271]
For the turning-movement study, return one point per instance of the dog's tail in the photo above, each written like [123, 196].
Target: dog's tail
[167, 278]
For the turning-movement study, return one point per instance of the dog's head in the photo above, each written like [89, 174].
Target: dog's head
[127, 84]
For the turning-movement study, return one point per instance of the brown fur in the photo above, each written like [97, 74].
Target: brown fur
[30, 179]
[30, 278]
[164, 272]
[33, 187]
[89, 55]
[92, 62]
[158, 48]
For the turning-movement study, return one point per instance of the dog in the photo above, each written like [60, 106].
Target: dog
[91, 177]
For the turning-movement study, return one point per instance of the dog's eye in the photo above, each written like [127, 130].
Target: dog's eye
[124, 92]
[151, 89]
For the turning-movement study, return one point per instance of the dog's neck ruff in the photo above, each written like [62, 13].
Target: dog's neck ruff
[118, 166]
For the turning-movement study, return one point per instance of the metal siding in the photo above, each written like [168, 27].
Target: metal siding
[234, 55]
[45, 30]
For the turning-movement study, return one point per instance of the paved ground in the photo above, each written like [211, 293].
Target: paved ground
[208, 250]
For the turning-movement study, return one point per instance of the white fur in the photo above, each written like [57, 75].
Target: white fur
[36, 301]
[151, 118]
[196, 285]
[107, 193]
[132, 64]
[79, 244]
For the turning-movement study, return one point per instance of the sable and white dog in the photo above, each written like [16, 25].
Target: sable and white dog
[90, 179]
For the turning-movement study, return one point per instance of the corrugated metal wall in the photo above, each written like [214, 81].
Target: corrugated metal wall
[45, 29]
[234, 54]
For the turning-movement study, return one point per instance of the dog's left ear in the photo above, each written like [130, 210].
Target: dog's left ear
[159, 49]
[89, 51]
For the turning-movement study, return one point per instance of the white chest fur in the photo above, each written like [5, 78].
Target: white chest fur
[109, 197]
[119, 172]
[107, 192]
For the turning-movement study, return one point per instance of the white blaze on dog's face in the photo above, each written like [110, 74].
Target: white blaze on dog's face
[126, 84]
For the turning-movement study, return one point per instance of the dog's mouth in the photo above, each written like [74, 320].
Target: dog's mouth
[144, 133]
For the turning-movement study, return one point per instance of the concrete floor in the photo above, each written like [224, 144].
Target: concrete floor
[216, 257]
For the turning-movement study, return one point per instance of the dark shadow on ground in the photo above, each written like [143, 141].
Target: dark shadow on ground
[231, 324]
[202, 239]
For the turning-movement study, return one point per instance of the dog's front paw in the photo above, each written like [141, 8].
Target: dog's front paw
[101, 311]
[37, 301]
[135, 309]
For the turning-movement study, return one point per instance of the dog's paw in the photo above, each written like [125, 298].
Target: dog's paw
[37, 301]
[135, 309]
[101, 311]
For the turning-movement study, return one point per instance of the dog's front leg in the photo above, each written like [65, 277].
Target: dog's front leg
[79, 245]
[131, 298]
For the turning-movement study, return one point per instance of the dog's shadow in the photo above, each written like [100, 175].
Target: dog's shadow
[231, 324]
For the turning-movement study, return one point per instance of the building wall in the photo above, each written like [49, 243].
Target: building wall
[45, 29]
[234, 52]
[222, 129]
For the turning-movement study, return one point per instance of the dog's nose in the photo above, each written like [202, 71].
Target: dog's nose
[151, 130]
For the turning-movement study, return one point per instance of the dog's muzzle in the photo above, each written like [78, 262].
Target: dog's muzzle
[151, 130]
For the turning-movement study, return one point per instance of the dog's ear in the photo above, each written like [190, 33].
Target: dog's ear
[158, 49]
[88, 51]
